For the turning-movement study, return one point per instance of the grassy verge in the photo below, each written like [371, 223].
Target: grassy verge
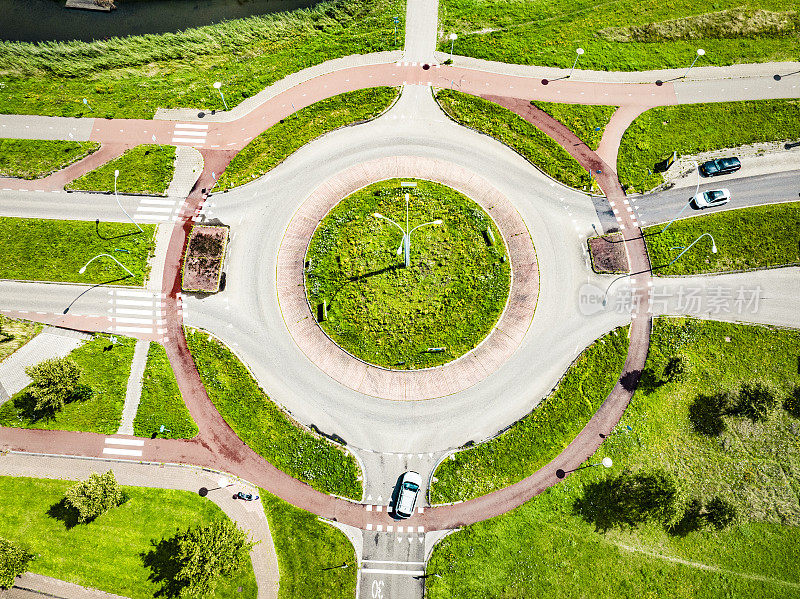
[516, 133]
[15, 333]
[161, 401]
[106, 554]
[746, 238]
[548, 546]
[55, 250]
[105, 371]
[265, 427]
[540, 436]
[35, 158]
[133, 76]
[627, 35]
[305, 548]
[694, 128]
[144, 169]
[450, 296]
[587, 122]
[278, 142]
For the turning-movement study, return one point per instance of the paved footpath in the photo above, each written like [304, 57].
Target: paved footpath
[133, 392]
[249, 516]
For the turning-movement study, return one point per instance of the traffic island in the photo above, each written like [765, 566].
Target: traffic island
[608, 254]
[407, 274]
[204, 260]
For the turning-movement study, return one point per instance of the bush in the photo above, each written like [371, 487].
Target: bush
[190, 563]
[755, 401]
[720, 513]
[94, 496]
[706, 411]
[13, 562]
[630, 500]
[55, 381]
[792, 403]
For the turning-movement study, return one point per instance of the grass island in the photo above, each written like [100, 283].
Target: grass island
[437, 309]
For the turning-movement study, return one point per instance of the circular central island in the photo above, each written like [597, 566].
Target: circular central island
[407, 274]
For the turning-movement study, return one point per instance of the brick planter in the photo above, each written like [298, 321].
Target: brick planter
[204, 259]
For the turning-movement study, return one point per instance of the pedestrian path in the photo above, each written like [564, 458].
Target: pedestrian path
[133, 392]
[35, 586]
[50, 343]
[135, 311]
[188, 166]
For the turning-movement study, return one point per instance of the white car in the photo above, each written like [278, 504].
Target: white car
[410, 484]
[714, 197]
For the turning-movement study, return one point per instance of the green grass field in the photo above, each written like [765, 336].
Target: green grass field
[106, 372]
[15, 333]
[55, 250]
[587, 122]
[450, 297]
[146, 169]
[266, 428]
[106, 554]
[278, 142]
[161, 401]
[547, 546]
[515, 132]
[694, 128]
[305, 547]
[36, 158]
[626, 35]
[540, 436]
[746, 238]
[133, 76]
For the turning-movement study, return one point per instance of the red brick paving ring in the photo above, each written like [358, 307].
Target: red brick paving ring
[449, 378]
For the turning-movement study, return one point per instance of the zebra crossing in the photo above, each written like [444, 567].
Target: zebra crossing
[127, 447]
[159, 209]
[136, 311]
[192, 134]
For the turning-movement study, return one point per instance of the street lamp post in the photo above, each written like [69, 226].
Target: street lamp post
[713, 249]
[696, 189]
[405, 243]
[700, 52]
[116, 197]
[578, 53]
[606, 462]
[452, 37]
[218, 86]
[83, 268]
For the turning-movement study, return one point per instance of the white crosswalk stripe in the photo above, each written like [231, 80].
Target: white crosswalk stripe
[140, 315]
[125, 443]
[158, 209]
[191, 134]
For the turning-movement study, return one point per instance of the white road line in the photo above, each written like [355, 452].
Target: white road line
[133, 320]
[113, 451]
[118, 441]
[133, 330]
[125, 302]
[132, 311]
[189, 133]
[153, 217]
[157, 201]
[401, 572]
[182, 140]
[155, 208]
[190, 126]
[132, 293]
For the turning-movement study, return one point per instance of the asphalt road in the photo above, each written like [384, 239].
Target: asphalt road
[746, 191]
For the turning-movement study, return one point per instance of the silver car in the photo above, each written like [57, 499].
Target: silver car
[714, 197]
[410, 484]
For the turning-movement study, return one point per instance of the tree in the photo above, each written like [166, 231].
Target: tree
[675, 369]
[55, 382]
[190, 563]
[792, 403]
[720, 513]
[755, 401]
[95, 495]
[13, 562]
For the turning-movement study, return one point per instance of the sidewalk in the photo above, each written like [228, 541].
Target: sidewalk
[133, 392]
[31, 586]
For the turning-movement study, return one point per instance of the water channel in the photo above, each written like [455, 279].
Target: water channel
[49, 20]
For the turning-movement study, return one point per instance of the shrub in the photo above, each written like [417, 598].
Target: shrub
[720, 513]
[55, 381]
[13, 562]
[94, 496]
[706, 411]
[755, 401]
[792, 403]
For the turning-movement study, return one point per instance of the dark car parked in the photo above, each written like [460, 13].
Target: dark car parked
[720, 166]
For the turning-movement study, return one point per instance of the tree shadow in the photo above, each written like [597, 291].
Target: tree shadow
[598, 505]
[162, 561]
[691, 521]
[630, 380]
[65, 513]
[706, 412]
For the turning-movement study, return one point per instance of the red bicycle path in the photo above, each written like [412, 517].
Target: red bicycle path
[218, 447]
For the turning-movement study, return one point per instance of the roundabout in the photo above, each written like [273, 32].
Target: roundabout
[302, 309]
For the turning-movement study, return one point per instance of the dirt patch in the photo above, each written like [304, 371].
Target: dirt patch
[205, 254]
[608, 254]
